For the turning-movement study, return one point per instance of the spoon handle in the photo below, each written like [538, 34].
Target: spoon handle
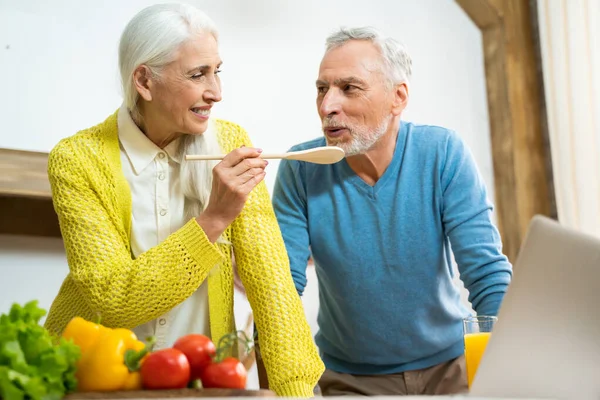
[194, 157]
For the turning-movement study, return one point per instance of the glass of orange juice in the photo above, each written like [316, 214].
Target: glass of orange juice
[477, 331]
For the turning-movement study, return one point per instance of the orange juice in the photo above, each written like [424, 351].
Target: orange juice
[474, 347]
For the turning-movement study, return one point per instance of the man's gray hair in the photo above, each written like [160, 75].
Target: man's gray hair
[396, 61]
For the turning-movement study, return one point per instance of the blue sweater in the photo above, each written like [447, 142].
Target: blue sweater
[382, 253]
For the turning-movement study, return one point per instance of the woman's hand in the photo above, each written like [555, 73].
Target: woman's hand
[233, 179]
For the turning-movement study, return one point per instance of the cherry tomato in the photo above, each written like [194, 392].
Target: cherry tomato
[165, 369]
[199, 351]
[227, 374]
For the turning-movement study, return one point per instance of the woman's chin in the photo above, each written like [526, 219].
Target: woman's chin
[197, 128]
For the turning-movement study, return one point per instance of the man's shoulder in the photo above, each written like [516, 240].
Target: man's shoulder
[431, 133]
[430, 139]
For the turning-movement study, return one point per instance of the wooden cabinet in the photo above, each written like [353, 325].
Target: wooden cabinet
[25, 197]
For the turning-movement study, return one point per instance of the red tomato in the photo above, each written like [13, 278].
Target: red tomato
[165, 369]
[198, 349]
[227, 374]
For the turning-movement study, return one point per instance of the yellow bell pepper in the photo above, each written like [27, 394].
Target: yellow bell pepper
[110, 358]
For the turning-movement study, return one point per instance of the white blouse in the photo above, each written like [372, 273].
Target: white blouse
[157, 211]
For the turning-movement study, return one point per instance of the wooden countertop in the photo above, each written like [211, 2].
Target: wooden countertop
[170, 394]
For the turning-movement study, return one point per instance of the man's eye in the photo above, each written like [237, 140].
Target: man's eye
[218, 71]
[321, 89]
[197, 76]
[350, 88]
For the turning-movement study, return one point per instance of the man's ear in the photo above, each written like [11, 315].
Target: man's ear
[400, 98]
[142, 79]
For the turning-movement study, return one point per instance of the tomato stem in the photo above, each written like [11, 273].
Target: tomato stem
[228, 340]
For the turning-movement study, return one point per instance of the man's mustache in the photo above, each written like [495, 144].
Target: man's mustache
[331, 123]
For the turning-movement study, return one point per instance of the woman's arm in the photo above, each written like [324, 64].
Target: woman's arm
[123, 291]
[287, 347]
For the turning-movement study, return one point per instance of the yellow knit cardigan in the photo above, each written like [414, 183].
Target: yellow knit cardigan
[93, 203]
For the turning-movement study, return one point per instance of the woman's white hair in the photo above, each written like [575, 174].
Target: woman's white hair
[152, 38]
[397, 64]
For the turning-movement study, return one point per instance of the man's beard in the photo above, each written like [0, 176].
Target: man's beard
[363, 137]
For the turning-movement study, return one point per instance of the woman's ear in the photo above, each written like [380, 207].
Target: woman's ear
[400, 98]
[142, 79]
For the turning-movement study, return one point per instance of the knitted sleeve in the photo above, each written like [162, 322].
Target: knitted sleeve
[291, 357]
[123, 291]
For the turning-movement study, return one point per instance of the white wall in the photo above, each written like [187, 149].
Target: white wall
[58, 74]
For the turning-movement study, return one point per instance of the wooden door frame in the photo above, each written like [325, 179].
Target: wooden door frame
[523, 177]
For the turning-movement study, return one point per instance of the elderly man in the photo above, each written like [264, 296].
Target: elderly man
[379, 226]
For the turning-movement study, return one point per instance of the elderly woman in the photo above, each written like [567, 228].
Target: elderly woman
[150, 237]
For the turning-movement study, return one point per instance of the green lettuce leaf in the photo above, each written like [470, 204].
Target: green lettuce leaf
[34, 366]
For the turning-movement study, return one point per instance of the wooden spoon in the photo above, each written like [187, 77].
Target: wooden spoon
[318, 155]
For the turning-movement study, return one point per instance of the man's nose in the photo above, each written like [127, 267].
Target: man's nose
[331, 103]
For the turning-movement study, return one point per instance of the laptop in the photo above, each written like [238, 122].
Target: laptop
[546, 342]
